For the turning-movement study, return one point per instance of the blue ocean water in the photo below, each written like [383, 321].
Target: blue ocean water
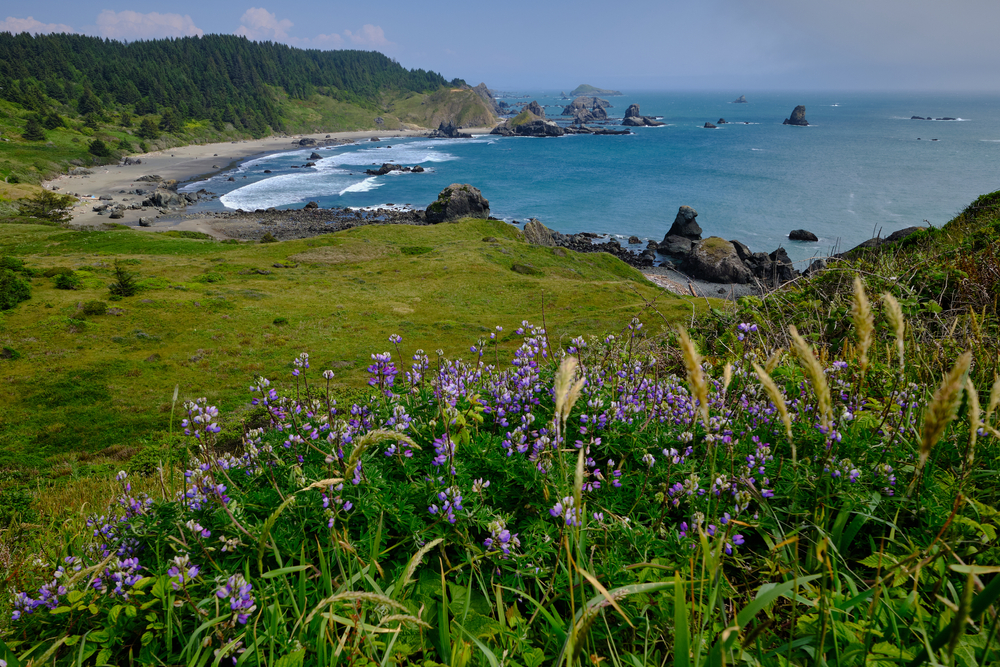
[862, 166]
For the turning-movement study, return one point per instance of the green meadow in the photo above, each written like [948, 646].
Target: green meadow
[210, 316]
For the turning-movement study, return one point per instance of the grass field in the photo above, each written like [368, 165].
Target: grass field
[212, 315]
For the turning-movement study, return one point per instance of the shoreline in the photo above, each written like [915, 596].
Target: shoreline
[186, 164]
[194, 162]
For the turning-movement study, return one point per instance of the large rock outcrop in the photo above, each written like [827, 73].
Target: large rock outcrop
[458, 200]
[448, 131]
[685, 225]
[584, 103]
[535, 108]
[717, 261]
[742, 99]
[484, 92]
[538, 234]
[634, 119]
[798, 117]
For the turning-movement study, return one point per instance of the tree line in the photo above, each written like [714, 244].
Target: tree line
[223, 78]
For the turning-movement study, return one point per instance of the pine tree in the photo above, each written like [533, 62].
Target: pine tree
[33, 130]
[148, 129]
[99, 148]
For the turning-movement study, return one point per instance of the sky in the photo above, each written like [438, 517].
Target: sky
[738, 45]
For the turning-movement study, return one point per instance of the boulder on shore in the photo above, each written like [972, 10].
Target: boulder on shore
[798, 117]
[536, 233]
[802, 235]
[716, 260]
[458, 200]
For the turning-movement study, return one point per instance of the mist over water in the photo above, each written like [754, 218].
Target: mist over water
[861, 166]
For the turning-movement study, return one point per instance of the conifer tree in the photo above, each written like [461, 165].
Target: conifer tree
[33, 130]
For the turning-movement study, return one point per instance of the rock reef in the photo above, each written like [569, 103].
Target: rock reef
[634, 119]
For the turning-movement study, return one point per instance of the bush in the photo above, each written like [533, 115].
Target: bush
[56, 271]
[48, 205]
[9, 353]
[67, 281]
[33, 131]
[13, 290]
[268, 238]
[99, 148]
[95, 308]
[12, 263]
[125, 282]
[148, 129]
[280, 321]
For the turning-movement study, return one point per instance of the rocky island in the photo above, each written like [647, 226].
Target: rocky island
[798, 117]
[586, 89]
[634, 119]
[742, 99]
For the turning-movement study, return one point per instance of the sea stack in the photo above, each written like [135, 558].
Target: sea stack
[742, 99]
[535, 108]
[798, 117]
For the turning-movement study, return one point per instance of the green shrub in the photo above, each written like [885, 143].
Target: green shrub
[56, 271]
[268, 238]
[95, 308]
[67, 281]
[13, 290]
[280, 321]
[9, 353]
[415, 250]
[48, 205]
[12, 263]
[125, 283]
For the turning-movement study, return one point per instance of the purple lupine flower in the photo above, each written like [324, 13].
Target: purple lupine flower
[241, 603]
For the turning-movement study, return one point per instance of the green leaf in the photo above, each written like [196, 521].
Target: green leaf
[292, 659]
[60, 610]
[147, 637]
[131, 611]
[271, 574]
[682, 652]
[74, 596]
[72, 640]
[104, 656]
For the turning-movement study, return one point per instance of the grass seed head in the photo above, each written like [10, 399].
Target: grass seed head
[894, 313]
[994, 400]
[864, 322]
[974, 423]
[817, 378]
[779, 402]
[695, 374]
[941, 410]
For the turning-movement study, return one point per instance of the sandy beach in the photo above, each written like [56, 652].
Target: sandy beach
[186, 163]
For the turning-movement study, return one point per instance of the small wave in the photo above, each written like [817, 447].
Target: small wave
[366, 185]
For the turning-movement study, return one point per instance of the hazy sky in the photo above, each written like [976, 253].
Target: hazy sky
[741, 45]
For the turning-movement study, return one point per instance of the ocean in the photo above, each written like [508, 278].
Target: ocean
[861, 167]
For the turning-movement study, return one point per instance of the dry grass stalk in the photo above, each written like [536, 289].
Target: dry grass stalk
[695, 374]
[894, 313]
[864, 322]
[817, 378]
[727, 376]
[779, 402]
[566, 390]
[941, 409]
[994, 400]
[774, 360]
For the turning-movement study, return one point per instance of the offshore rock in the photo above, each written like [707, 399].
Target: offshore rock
[685, 224]
[315, 156]
[581, 103]
[634, 119]
[458, 200]
[798, 117]
[742, 99]
[710, 126]
[716, 260]
[802, 235]
[539, 128]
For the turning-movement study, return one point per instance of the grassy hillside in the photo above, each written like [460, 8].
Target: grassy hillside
[641, 499]
[212, 315]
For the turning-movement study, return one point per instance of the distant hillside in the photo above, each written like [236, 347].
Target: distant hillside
[585, 89]
[221, 78]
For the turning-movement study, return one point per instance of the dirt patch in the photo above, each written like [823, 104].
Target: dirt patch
[345, 254]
